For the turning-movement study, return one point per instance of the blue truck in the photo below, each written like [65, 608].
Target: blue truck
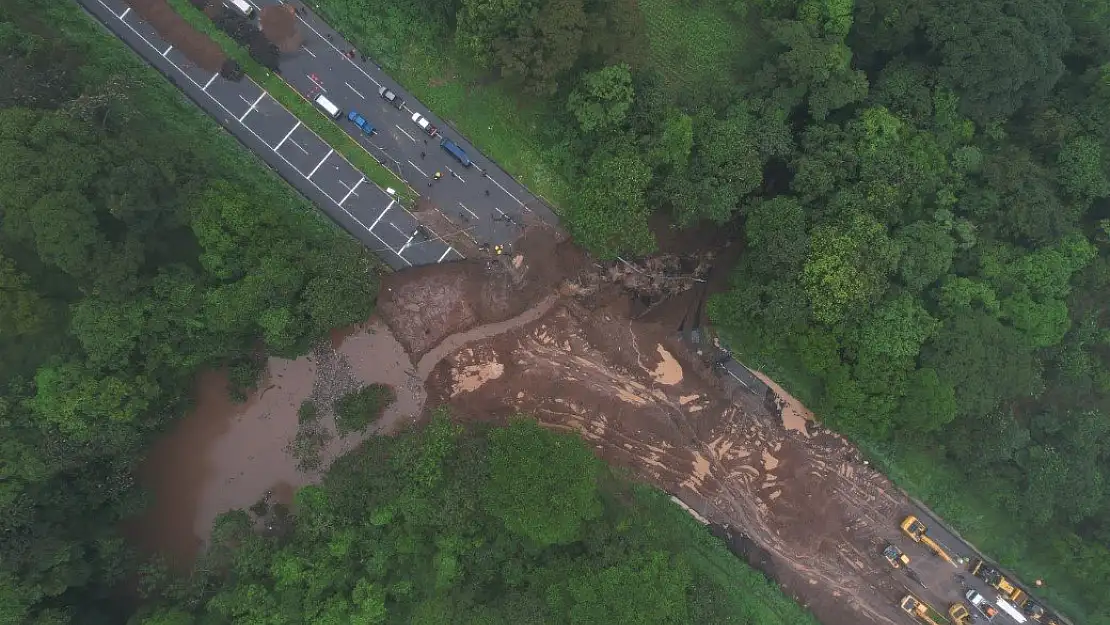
[454, 150]
[361, 122]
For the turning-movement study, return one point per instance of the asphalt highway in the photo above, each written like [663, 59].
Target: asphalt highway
[371, 214]
[481, 199]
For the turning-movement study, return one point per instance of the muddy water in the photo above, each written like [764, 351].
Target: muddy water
[226, 455]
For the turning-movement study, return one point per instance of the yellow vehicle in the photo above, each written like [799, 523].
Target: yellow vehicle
[917, 531]
[920, 610]
[994, 577]
[960, 614]
[895, 557]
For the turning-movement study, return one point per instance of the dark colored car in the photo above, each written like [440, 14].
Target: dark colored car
[391, 97]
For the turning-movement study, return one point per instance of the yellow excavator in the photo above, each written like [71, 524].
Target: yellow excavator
[994, 577]
[899, 560]
[917, 531]
[920, 610]
[960, 614]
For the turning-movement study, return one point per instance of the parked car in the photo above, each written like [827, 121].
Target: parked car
[361, 122]
[424, 124]
[981, 604]
[391, 97]
[454, 150]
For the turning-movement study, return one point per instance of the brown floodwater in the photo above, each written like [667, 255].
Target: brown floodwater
[226, 455]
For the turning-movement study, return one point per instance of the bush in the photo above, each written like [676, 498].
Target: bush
[358, 409]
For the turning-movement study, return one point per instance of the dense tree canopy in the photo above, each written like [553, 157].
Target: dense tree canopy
[467, 541]
[137, 245]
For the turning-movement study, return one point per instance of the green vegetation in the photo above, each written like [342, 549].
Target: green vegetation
[139, 245]
[924, 195]
[291, 99]
[355, 411]
[420, 529]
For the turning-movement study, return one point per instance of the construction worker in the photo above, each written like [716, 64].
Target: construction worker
[498, 250]
[438, 175]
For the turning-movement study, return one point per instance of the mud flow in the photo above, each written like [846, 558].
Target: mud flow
[585, 347]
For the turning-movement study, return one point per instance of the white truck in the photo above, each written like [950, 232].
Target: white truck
[1011, 611]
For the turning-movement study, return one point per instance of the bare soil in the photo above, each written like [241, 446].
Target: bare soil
[202, 51]
[812, 514]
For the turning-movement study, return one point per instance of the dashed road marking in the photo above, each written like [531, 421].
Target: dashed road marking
[418, 169]
[214, 76]
[445, 253]
[261, 140]
[515, 198]
[299, 146]
[252, 106]
[341, 53]
[326, 156]
[468, 210]
[308, 51]
[317, 83]
[352, 191]
[453, 173]
[287, 135]
[382, 215]
[355, 90]
[404, 133]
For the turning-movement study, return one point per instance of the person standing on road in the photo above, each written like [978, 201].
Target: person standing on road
[438, 175]
[422, 155]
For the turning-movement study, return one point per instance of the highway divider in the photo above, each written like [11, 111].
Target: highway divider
[298, 105]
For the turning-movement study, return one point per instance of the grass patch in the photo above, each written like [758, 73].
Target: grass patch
[355, 411]
[690, 42]
[308, 413]
[291, 99]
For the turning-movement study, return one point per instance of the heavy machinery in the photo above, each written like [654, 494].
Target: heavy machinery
[920, 610]
[960, 614]
[917, 531]
[994, 577]
[895, 557]
[981, 604]
[899, 560]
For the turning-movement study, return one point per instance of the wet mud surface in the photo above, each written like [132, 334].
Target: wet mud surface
[496, 336]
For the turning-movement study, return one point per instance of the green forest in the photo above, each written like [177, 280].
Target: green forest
[921, 189]
[444, 525]
[139, 244]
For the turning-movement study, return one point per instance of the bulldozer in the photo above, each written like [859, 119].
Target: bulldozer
[917, 531]
[960, 614]
[920, 610]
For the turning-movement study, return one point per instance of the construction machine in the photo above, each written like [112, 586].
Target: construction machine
[899, 560]
[920, 610]
[995, 579]
[917, 531]
[960, 614]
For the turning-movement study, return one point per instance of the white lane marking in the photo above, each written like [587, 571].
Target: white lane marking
[299, 146]
[403, 233]
[515, 198]
[499, 211]
[405, 246]
[404, 133]
[382, 215]
[252, 106]
[352, 191]
[418, 169]
[341, 52]
[330, 152]
[468, 210]
[445, 253]
[255, 5]
[287, 135]
[123, 15]
[263, 142]
[455, 174]
[167, 51]
[353, 89]
[214, 76]
[308, 51]
[317, 83]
